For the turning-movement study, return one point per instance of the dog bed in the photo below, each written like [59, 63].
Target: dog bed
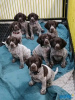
[14, 81]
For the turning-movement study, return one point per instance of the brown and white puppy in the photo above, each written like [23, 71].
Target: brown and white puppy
[58, 51]
[34, 25]
[18, 51]
[43, 49]
[15, 29]
[21, 18]
[51, 27]
[40, 73]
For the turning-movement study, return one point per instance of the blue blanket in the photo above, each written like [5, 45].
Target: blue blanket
[14, 81]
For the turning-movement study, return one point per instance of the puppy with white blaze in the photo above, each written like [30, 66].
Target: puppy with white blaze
[34, 25]
[44, 47]
[58, 52]
[21, 18]
[18, 51]
[40, 73]
[15, 29]
[51, 27]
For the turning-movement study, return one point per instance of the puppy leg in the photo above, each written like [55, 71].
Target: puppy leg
[13, 60]
[27, 35]
[32, 35]
[31, 83]
[21, 62]
[43, 90]
[63, 63]
[51, 61]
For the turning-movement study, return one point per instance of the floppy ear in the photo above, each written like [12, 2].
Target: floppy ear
[47, 26]
[27, 62]
[29, 17]
[39, 40]
[36, 17]
[16, 17]
[63, 43]
[50, 37]
[24, 17]
[56, 23]
[52, 42]
[40, 59]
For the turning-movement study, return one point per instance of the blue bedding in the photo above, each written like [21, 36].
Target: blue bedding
[14, 81]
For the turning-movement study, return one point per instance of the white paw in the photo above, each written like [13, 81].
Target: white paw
[32, 37]
[31, 83]
[43, 91]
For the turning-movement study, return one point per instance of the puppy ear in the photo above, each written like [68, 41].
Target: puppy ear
[24, 17]
[16, 17]
[39, 40]
[36, 17]
[63, 43]
[19, 25]
[52, 42]
[40, 59]
[8, 40]
[56, 23]
[50, 37]
[29, 17]
[47, 26]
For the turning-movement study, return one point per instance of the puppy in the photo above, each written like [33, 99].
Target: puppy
[51, 27]
[58, 51]
[40, 73]
[18, 51]
[34, 25]
[15, 29]
[21, 18]
[43, 49]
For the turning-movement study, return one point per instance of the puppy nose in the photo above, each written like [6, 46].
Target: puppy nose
[15, 26]
[46, 41]
[57, 46]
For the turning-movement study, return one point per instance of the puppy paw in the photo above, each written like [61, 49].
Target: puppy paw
[43, 91]
[21, 66]
[63, 65]
[51, 64]
[32, 37]
[27, 36]
[31, 83]
[42, 31]
[13, 61]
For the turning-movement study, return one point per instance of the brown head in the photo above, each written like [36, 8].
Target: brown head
[32, 17]
[20, 17]
[58, 43]
[12, 42]
[15, 26]
[44, 39]
[51, 25]
[34, 63]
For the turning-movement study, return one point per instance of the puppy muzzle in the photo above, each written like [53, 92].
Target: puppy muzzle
[57, 46]
[52, 29]
[33, 67]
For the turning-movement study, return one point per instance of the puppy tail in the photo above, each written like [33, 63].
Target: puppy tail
[56, 71]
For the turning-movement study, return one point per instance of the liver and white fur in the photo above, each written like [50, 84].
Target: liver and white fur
[21, 18]
[15, 29]
[58, 51]
[51, 27]
[34, 25]
[43, 49]
[18, 51]
[40, 73]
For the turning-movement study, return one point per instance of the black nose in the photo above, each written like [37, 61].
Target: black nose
[46, 41]
[52, 29]
[12, 45]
